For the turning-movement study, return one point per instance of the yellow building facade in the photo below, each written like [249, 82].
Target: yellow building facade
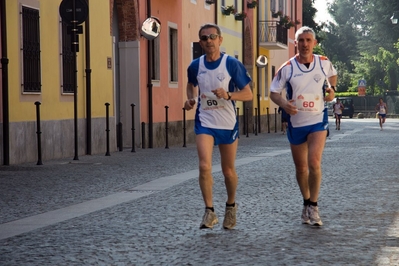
[40, 70]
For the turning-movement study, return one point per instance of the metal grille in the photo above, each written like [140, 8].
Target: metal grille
[31, 50]
[68, 62]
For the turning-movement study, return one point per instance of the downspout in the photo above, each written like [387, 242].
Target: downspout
[88, 84]
[4, 67]
[149, 83]
[257, 69]
[242, 33]
[243, 61]
[296, 17]
[216, 12]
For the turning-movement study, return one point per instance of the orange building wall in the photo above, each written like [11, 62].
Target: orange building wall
[163, 93]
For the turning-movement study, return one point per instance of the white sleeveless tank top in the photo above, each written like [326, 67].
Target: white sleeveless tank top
[307, 93]
[213, 112]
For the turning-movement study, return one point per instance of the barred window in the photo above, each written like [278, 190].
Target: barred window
[68, 61]
[31, 50]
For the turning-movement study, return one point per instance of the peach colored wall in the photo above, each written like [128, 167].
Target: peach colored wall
[295, 12]
[164, 95]
[1, 85]
[188, 16]
[194, 15]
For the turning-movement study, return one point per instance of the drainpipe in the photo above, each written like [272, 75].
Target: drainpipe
[243, 61]
[243, 33]
[4, 67]
[88, 84]
[149, 83]
[296, 17]
[257, 69]
[216, 12]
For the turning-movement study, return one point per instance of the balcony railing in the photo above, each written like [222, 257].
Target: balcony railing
[272, 35]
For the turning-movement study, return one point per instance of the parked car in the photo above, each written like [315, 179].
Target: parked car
[349, 108]
[330, 107]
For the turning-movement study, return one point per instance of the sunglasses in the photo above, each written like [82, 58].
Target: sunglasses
[210, 36]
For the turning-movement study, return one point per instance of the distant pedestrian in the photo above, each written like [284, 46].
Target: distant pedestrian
[338, 107]
[382, 110]
[212, 79]
[284, 119]
[303, 77]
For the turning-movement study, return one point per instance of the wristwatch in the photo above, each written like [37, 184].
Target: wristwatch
[333, 87]
[228, 94]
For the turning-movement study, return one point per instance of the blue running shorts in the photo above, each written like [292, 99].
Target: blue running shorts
[382, 115]
[299, 135]
[220, 136]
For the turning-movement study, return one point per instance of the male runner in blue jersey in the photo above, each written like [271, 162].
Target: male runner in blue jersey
[303, 77]
[212, 80]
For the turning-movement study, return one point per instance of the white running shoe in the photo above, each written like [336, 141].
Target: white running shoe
[230, 217]
[313, 213]
[305, 217]
[209, 219]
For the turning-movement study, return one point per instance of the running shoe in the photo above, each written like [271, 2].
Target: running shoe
[230, 217]
[313, 212]
[305, 217]
[209, 219]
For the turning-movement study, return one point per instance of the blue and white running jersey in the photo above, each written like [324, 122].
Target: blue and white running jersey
[306, 87]
[226, 72]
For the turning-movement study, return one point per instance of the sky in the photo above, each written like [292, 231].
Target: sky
[322, 14]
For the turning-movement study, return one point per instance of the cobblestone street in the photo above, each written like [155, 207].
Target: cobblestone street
[144, 208]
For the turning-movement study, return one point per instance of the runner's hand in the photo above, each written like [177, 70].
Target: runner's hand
[330, 96]
[189, 104]
[290, 108]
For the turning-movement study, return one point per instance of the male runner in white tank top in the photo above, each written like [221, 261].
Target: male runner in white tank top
[212, 82]
[304, 76]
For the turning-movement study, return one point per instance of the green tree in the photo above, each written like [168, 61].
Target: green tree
[344, 77]
[308, 15]
[362, 37]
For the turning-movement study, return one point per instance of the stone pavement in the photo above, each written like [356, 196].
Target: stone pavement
[144, 208]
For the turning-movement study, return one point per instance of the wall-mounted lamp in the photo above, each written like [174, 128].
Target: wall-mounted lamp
[395, 17]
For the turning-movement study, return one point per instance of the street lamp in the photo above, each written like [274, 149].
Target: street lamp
[395, 17]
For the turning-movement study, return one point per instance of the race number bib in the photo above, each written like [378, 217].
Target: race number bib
[308, 103]
[209, 101]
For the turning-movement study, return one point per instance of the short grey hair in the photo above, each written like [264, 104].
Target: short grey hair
[210, 25]
[304, 29]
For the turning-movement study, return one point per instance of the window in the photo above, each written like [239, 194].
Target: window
[267, 79]
[278, 5]
[155, 75]
[31, 69]
[197, 50]
[68, 60]
[173, 54]
[281, 6]
[273, 7]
